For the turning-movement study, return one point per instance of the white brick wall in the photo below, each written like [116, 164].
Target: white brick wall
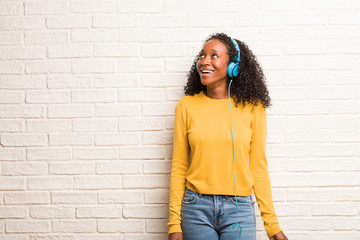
[87, 96]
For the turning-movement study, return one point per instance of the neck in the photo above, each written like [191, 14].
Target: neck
[216, 93]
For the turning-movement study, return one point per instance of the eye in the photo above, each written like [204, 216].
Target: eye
[201, 55]
[214, 55]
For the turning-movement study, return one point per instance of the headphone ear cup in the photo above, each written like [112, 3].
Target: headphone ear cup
[196, 66]
[233, 69]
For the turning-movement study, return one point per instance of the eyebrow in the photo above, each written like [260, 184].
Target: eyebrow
[202, 50]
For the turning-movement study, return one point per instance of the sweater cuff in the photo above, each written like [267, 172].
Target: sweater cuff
[175, 228]
[273, 229]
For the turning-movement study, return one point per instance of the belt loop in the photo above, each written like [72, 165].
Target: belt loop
[200, 195]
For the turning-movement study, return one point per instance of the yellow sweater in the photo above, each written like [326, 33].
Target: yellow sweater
[203, 128]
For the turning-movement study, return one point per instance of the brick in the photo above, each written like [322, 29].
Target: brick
[74, 226]
[97, 182]
[157, 196]
[69, 51]
[154, 211]
[71, 197]
[349, 18]
[12, 212]
[305, 19]
[346, 223]
[94, 35]
[43, 37]
[52, 237]
[174, 94]
[70, 111]
[163, 80]
[333, 179]
[289, 209]
[24, 168]
[157, 137]
[13, 237]
[93, 66]
[335, 209]
[117, 110]
[310, 224]
[128, 6]
[21, 53]
[141, 94]
[66, 82]
[118, 167]
[144, 152]
[96, 154]
[144, 182]
[72, 168]
[157, 166]
[98, 96]
[111, 139]
[147, 236]
[140, 124]
[45, 8]
[309, 195]
[177, 66]
[49, 154]
[142, 35]
[50, 212]
[23, 82]
[219, 20]
[48, 125]
[162, 21]
[11, 67]
[99, 212]
[10, 37]
[8, 126]
[158, 109]
[21, 111]
[69, 22]
[11, 97]
[47, 97]
[116, 21]
[50, 183]
[156, 226]
[92, 7]
[123, 226]
[14, 23]
[163, 50]
[12, 183]
[123, 50]
[48, 66]
[94, 125]
[70, 139]
[308, 165]
[101, 237]
[120, 196]
[23, 140]
[26, 226]
[116, 81]
[8, 154]
[8, 9]
[140, 65]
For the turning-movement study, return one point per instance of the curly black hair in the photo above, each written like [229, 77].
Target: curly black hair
[248, 87]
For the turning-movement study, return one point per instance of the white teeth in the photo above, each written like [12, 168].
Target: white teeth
[206, 71]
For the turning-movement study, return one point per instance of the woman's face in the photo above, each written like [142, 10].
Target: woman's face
[213, 62]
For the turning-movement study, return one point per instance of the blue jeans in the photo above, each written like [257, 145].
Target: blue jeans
[209, 217]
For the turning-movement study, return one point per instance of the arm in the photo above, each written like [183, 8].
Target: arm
[180, 165]
[259, 169]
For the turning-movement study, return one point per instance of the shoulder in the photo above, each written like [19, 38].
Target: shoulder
[188, 100]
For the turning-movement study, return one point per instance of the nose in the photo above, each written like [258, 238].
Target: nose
[204, 61]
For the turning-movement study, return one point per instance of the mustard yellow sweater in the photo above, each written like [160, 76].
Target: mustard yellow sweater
[203, 155]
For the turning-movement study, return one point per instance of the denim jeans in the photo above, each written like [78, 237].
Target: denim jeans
[209, 217]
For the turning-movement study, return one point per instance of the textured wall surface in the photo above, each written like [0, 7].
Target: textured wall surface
[87, 96]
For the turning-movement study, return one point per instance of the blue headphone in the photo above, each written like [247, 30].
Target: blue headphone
[233, 67]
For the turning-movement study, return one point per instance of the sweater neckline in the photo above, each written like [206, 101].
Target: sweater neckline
[209, 99]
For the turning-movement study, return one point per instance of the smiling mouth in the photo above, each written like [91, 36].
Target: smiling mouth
[206, 72]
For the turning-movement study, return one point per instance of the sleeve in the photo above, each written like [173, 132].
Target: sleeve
[180, 165]
[259, 169]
